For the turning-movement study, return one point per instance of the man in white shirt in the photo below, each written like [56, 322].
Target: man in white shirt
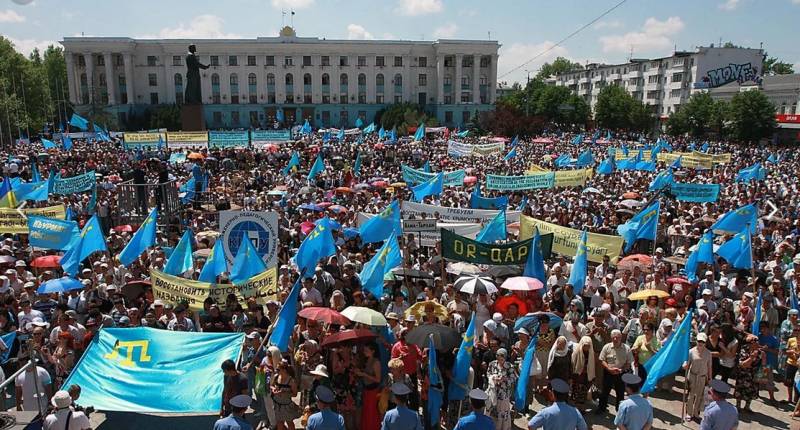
[27, 394]
[623, 286]
[310, 293]
[603, 269]
[27, 315]
[63, 416]
[180, 322]
[557, 278]
[562, 263]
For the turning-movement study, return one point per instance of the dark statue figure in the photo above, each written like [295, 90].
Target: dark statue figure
[193, 95]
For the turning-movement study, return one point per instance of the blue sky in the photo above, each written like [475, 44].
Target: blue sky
[525, 28]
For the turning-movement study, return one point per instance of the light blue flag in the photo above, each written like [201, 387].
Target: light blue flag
[287, 317]
[383, 225]
[624, 149]
[692, 146]
[534, 265]
[662, 180]
[279, 115]
[35, 175]
[88, 242]
[677, 164]
[386, 259]
[773, 158]
[247, 262]
[161, 144]
[144, 238]
[420, 133]
[92, 205]
[606, 167]
[433, 187]
[515, 141]
[36, 191]
[577, 140]
[585, 159]
[754, 328]
[359, 122]
[159, 363]
[69, 216]
[523, 203]
[703, 253]
[393, 134]
[671, 356]
[643, 225]
[577, 276]
[51, 233]
[215, 264]
[739, 219]
[381, 133]
[317, 168]
[326, 137]
[704, 148]
[459, 388]
[181, 259]
[737, 251]
[608, 135]
[79, 121]
[318, 244]
[752, 173]
[48, 144]
[66, 141]
[426, 167]
[521, 390]
[494, 230]
[463, 134]
[357, 166]
[793, 296]
[478, 202]
[340, 135]
[8, 339]
[435, 386]
[306, 128]
[511, 154]
[370, 128]
[293, 162]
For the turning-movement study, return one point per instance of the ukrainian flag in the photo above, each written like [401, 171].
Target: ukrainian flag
[7, 197]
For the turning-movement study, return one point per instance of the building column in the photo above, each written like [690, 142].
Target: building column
[440, 79]
[492, 94]
[409, 94]
[280, 88]
[111, 79]
[89, 59]
[128, 64]
[73, 85]
[457, 82]
[476, 79]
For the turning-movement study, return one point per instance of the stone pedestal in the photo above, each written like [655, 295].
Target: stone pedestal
[192, 118]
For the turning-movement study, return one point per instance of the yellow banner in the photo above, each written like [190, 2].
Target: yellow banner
[694, 160]
[573, 178]
[13, 221]
[175, 290]
[632, 153]
[144, 137]
[565, 239]
[535, 168]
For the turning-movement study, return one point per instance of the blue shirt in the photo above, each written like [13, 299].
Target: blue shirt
[719, 415]
[401, 418]
[232, 422]
[558, 416]
[770, 342]
[325, 419]
[634, 413]
[475, 421]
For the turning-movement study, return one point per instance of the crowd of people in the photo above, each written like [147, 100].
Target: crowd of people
[588, 345]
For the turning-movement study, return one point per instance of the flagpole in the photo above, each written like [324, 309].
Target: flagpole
[752, 267]
[685, 388]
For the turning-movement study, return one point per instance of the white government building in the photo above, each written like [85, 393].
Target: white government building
[328, 82]
[666, 83]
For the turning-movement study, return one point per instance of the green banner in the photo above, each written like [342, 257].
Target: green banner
[518, 183]
[228, 139]
[460, 248]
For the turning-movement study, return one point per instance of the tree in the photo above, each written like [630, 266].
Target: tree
[166, 116]
[751, 116]
[616, 109]
[698, 116]
[558, 66]
[404, 116]
[773, 66]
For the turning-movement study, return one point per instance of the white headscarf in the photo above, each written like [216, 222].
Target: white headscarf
[555, 351]
[578, 362]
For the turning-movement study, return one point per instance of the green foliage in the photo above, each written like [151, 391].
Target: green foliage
[552, 103]
[475, 125]
[558, 66]
[618, 110]
[751, 116]
[700, 115]
[773, 66]
[166, 116]
[404, 116]
[508, 120]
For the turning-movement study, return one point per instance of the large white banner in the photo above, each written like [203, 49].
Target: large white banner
[460, 149]
[454, 215]
[261, 228]
[429, 238]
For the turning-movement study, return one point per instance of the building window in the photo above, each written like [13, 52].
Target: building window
[398, 61]
[652, 79]
[464, 117]
[253, 118]
[326, 79]
[398, 98]
[270, 79]
[119, 61]
[379, 80]
[484, 80]
[176, 60]
[485, 61]
[270, 60]
[306, 60]
[422, 62]
[307, 79]
[343, 98]
[215, 79]
[214, 60]
[287, 61]
[465, 98]
[102, 80]
[101, 60]
[362, 80]
[423, 79]
[448, 117]
[466, 61]
[217, 118]
[362, 61]
[342, 61]
[448, 61]
[234, 80]
[233, 60]
[651, 95]
[234, 99]
[326, 118]
[362, 98]
[289, 98]
[289, 80]
[675, 93]
[152, 79]
[251, 60]
[379, 61]
[325, 60]
[344, 118]
[422, 98]
[235, 117]
[121, 80]
[326, 99]
[379, 98]
[398, 80]
[178, 80]
[448, 80]
[677, 77]
[153, 98]
[465, 81]
[343, 79]
[251, 79]
[81, 61]
[151, 60]
[448, 100]
[307, 98]
[252, 99]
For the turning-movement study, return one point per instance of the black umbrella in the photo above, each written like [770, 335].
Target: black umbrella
[444, 338]
[411, 273]
[475, 284]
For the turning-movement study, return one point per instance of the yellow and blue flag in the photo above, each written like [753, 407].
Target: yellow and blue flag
[287, 317]
[521, 390]
[357, 165]
[433, 187]
[387, 258]
[458, 388]
[643, 225]
[88, 242]
[181, 258]
[494, 230]
[420, 133]
[215, 264]
[534, 265]
[435, 385]
[8, 199]
[318, 244]
[317, 168]
[380, 227]
[293, 163]
[754, 328]
[752, 173]
[671, 356]
[577, 276]
[247, 262]
[606, 167]
[739, 219]
[144, 238]
[737, 251]
[511, 154]
[703, 253]
[662, 180]
[79, 121]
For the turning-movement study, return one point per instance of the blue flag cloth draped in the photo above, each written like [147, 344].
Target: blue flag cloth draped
[181, 259]
[511, 154]
[523, 203]
[515, 142]
[692, 146]
[703, 253]
[247, 262]
[318, 244]
[420, 133]
[479, 202]
[48, 144]
[326, 137]
[66, 141]
[293, 162]
[774, 158]
[754, 328]
[317, 168]
[752, 173]
[386, 259]
[79, 121]
[494, 230]
[643, 225]
[287, 317]
[671, 356]
[606, 167]
[521, 390]
[737, 251]
[8, 339]
[35, 175]
[90, 240]
[359, 122]
[383, 225]
[577, 276]
[381, 133]
[36, 191]
[577, 140]
[534, 265]
[158, 363]
[662, 180]
[340, 135]
[215, 264]
[426, 167]
[357, 166]
[144, 238]
[435, 386]
[585, 159]
[51, 233]
[738, 219]
[704, 147]
[677, 164]
[458, 388]
[433, 187]
[393, 134]
[306, 128]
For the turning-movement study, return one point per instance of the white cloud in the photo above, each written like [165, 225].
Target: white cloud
[607, 24]
[23, 2]
[729, 5]
[26, 46]
[357, 32]
[291, 4]
[389, 36]
[795, 1]
[10, 16]
[419, 7]
[515, 54]
[654, 35]
[446, 31]
[201, 26]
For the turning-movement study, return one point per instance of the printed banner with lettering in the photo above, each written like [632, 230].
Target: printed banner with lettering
[695, 160]
[519, 183]
[175, 290]
[572, 178]
[414, 176]
[699, 193]
[565, 240]
[15, 221]
[75, 184]
[460, 248]
[429, 238]
[51, 233]
[261, 138]
[187, 139]
[460, 149]
[453, 215]
[228, 139]
[143, 140]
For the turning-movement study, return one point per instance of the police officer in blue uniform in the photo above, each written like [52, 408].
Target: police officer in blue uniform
[719, 414]
[559, 415]
[235, 421]
[476, 420]
[401, 418]
[636, 412]
[325, 419]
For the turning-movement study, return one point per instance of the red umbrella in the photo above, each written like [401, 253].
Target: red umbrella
[326, 315]
[380, 184]
[271, 147]
[345, 336]
[48, 261]
[306, 227]
[631, 195]
[522, 283]
[638, 258]
[501, 305]
[678, 280]
[124, 227]
[324, 204]
[468, 180]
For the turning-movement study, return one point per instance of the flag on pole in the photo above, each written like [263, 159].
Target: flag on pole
[494, 230]
[317, 168]
[703, 253]
[433, 187]
[357, 166]
[739, 219]
[435, 386]
[387, 258]
[458, 388]
[534, 266]
[521, 390]
[293, 162]
[420, 134]
[79, 121]
[90, 240]
[737, 251]
[643, 225]
[383, 225]
[247, 262]
[215, 264]
[318, 244]
[577, 276]
[754, 328]
[287, 317]
[144, 238]
[670, 357]
[181, 259]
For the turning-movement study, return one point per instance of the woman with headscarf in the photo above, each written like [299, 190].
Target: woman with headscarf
[502, 377]
[583, 369]
[749, 361]
[559, 362]
[784, 333]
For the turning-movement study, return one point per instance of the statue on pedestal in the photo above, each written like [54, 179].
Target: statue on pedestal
[193, 94]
